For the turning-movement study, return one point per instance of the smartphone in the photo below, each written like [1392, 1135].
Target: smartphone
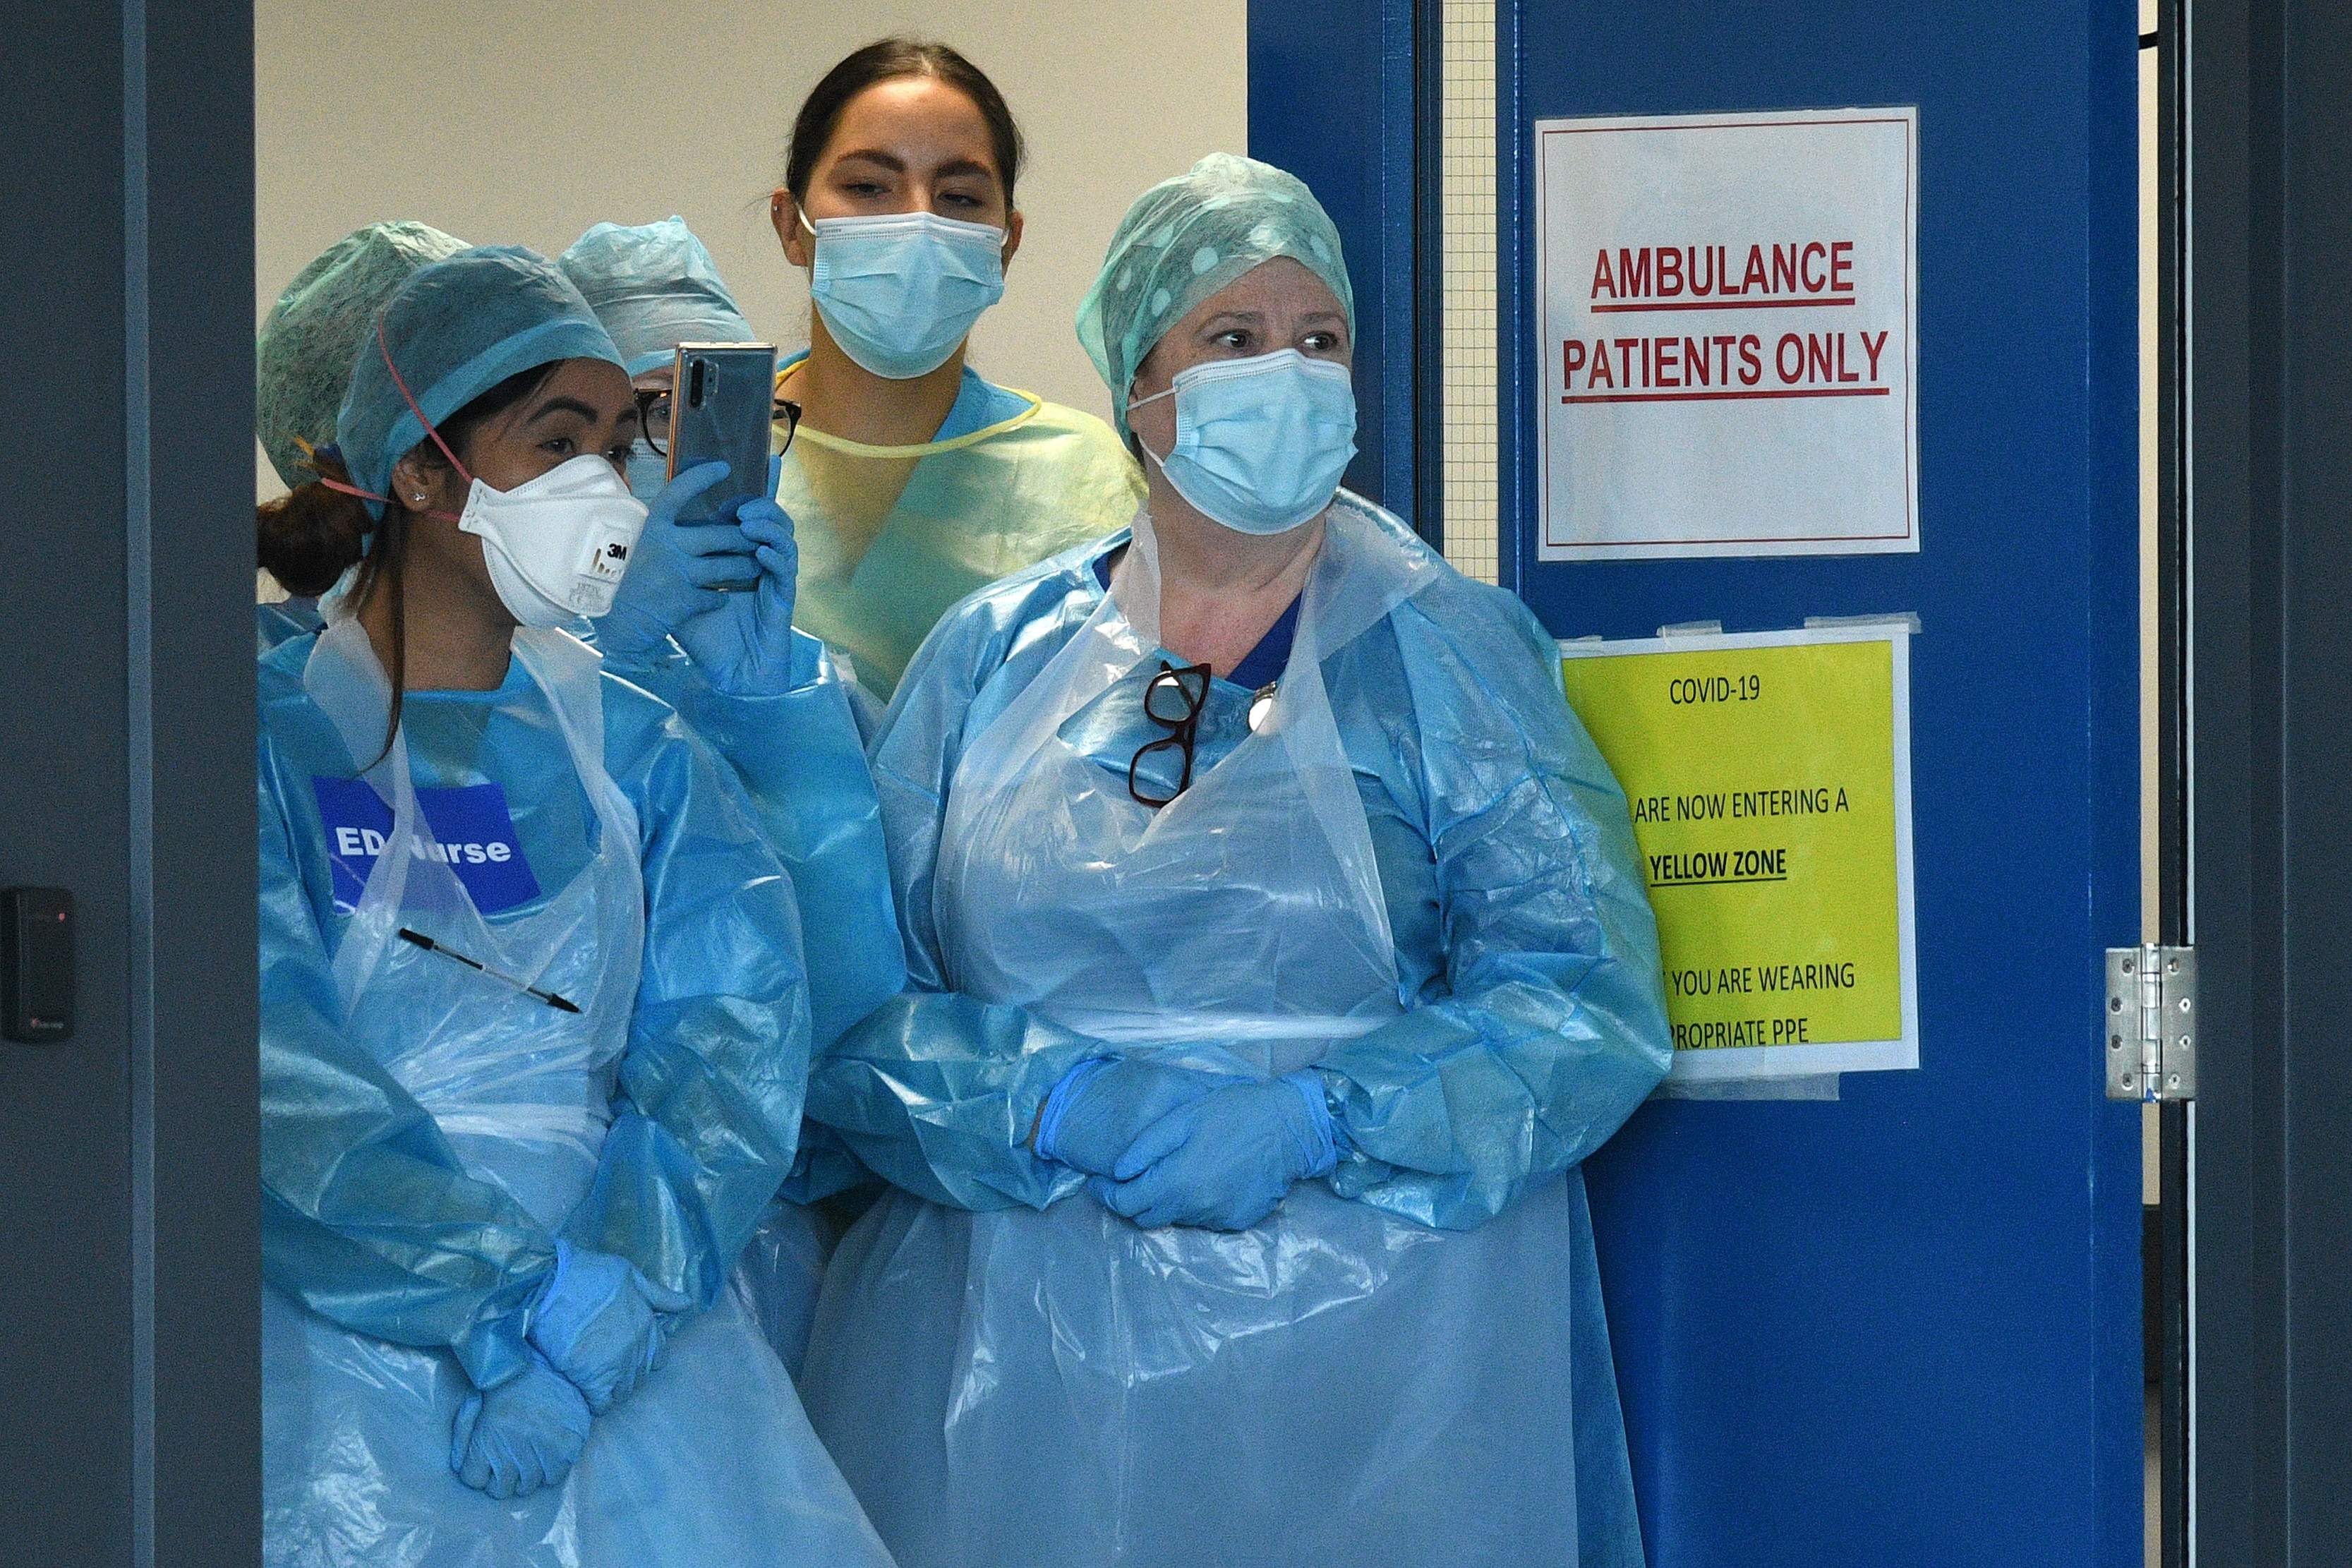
[720, 408]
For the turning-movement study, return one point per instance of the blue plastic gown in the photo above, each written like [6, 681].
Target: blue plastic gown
[416, 1169]
[799, 756]
[1409, 1363]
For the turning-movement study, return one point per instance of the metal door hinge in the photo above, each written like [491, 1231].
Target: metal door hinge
[2151, 1022]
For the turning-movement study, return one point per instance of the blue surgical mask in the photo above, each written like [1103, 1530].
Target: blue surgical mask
[648, 470]
[1261, 442]
[900, 292]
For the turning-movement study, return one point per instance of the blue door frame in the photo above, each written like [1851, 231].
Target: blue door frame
[1903, 1327]
[1332, 98]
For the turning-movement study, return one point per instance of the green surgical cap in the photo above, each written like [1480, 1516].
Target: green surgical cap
[456, 329]
[654, 285]
[1187, 237]
[302, 359]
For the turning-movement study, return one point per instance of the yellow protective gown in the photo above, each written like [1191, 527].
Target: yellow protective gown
[892, 537]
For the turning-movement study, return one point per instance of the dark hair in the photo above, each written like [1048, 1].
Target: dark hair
[310, 537]
[895, 59]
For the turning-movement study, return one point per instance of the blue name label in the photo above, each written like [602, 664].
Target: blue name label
[475, 831]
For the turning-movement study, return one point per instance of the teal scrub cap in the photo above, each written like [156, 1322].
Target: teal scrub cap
[303, 356]
[1187, 237]
[456, 329]
[654, 285]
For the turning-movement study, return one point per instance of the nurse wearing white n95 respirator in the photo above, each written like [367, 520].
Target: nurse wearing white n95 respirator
[534, 1015]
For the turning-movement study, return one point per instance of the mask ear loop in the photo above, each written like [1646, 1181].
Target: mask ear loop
[1139, 441]
[384, 348]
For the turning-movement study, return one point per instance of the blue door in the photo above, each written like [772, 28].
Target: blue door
[1902, 1327]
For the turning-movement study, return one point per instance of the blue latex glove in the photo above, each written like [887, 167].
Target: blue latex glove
[598, 1323]
[1223, 1160]
[1102, 1105]
[676, 568]
[742, 641]
[523, 1434]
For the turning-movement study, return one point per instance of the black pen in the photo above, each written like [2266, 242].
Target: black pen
[429, 946]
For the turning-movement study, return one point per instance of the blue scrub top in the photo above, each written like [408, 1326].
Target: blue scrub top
[1264, 663]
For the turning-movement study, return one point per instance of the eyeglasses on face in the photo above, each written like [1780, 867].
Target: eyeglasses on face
[654, 418]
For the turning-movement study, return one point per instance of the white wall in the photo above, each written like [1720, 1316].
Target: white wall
[527, 121]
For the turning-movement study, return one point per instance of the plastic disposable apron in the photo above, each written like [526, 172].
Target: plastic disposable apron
[1241, 926]
[357, 1430]
[1097, 1393]
[522, 1090]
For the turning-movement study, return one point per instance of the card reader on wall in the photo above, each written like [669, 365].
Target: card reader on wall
[36, 965]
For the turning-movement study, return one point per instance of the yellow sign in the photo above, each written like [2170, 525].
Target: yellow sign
[1768, 778]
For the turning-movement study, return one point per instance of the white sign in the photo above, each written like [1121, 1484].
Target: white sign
[1726, 334]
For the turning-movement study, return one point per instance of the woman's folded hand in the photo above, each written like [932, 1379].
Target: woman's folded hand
[1225, 1159]
[1103, 1105]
